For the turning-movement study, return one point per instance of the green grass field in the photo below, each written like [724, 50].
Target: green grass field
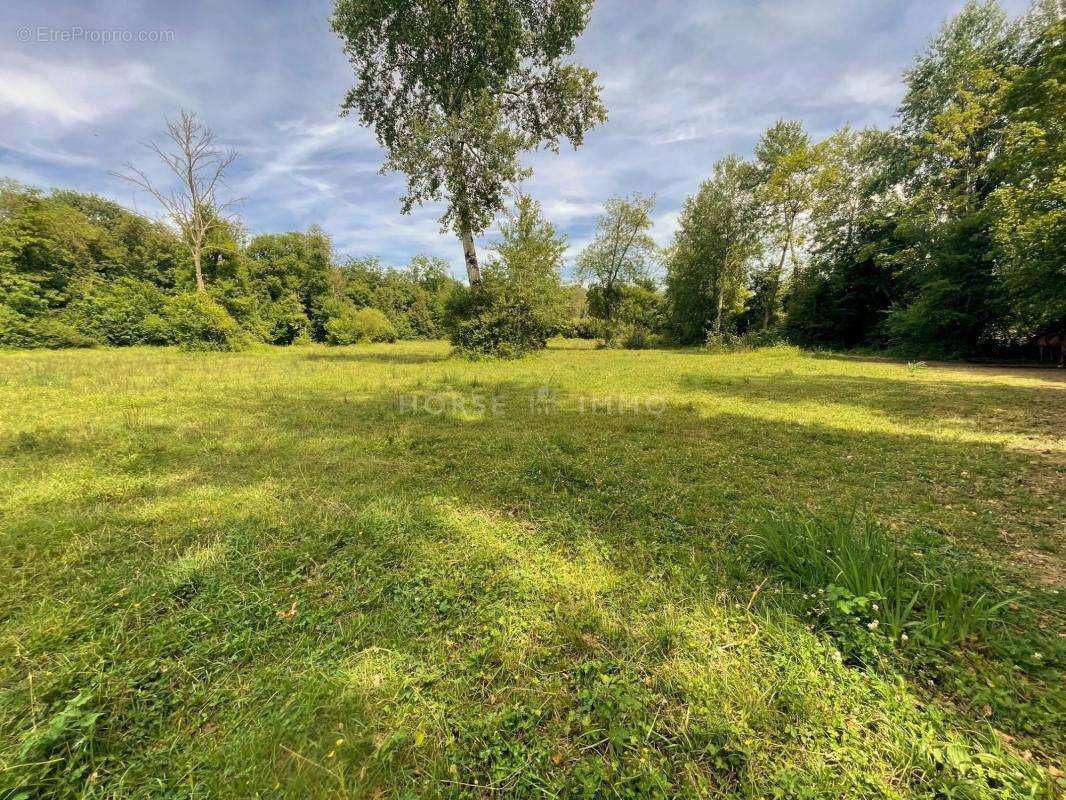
[380, 572]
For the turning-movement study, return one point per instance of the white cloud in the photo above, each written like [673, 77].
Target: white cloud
[873, 88]
[563, 210]
[71, 95]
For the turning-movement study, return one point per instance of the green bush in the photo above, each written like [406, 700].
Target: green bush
[636, 337]
[584, 328]
[246, 308]
[488, 323]
[284, 320]
[117, 312]
[871, 588]
[352, 326]
[520, 302]
[53, 333]
[193, 321]
[13, 328]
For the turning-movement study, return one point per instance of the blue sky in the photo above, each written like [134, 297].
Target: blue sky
[685, 82]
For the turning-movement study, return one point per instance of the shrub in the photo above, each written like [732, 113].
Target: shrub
[485, 324]
[12, 328]
[585, 328]
[17, 330]
[352, 326]
[117, 312]
[768, 337]
[637, 338]
[193, 321]
[514, 312]
[243, 306]
[284, 320]
[722, 340]
[520, 302]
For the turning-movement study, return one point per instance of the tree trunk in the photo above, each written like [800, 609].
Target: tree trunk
[608, 334]
[777, 287]
[200, 286]
[721, 303]
[473, 271]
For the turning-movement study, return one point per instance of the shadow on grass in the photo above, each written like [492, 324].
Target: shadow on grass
[327, 569]
[1018, 409]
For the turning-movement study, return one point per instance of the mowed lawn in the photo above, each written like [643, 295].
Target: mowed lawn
[381, 572]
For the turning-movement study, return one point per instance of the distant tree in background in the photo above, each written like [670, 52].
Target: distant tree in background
[944, 235]
[129, 245]
[295, 269]
[847, 287]
[950, 301]
[77, 269]
[638, 312]
[941, 236]
[786, 162]
[1030, 203]
[720, 234]
[621, 253]
[457, 91]
[194, 206]
[413, 298]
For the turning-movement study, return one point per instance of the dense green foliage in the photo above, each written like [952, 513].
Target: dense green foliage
[717, 237]
[194, 321]
[521, 302]
[413, 299]
[352, 326]
[942, 236]
[377, 572]
[620, 255]
[77, 270]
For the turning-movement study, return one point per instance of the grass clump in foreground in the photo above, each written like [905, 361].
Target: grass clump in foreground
[866, 575]
[375, 571]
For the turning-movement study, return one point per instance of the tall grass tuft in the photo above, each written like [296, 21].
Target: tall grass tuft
[868, 574]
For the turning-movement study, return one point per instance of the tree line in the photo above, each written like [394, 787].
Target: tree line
[942, 235]
[79, 270]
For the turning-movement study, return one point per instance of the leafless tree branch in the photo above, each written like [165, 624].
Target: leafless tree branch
[199, 165]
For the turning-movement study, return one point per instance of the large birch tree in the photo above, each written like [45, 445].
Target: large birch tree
[456, 90]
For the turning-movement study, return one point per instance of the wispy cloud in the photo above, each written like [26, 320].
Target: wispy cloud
[39, 92]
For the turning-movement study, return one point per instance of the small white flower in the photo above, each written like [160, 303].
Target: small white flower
[875, 607]
[903, 637]
[872, 625]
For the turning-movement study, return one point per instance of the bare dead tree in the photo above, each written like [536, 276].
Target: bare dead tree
[194, 208]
